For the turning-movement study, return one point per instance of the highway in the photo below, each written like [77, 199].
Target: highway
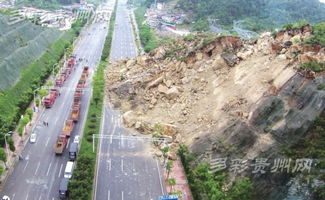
[125, 168]
[38, 176]
[123, 43]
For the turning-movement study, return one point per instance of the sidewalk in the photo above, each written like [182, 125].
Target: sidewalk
[181, 181]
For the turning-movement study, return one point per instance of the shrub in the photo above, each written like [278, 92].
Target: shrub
[3, 155]
[1, 170]
[321, 86]
[312, 66]
[318, 35]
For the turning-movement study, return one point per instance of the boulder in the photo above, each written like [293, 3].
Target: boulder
[155, 82]
[230, 58]
[130, 63]
[162, 89]
[172, 93]
[129, 118]
[199, 56]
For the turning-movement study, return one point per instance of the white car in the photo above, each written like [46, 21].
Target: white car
[5, 198]
[76, 139]
[32, 138]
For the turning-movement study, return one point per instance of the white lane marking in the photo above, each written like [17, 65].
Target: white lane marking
[40, 197]
[122, 195]
[161, 185]
[13, 196]
[109, 194]
[39, 163]
[27, 196]
[48, 170]
[25, 166]
[110, 165]
[68, 143]
[47, 141]
[60, 170]
[122, 164]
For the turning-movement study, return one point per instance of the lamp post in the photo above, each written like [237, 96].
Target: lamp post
[9, 133]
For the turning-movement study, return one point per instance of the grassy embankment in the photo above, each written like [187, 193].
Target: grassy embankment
[148, 38]
[15, 100]
[81, 185]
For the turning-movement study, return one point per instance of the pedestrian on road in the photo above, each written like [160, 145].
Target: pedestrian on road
[47, 124]
[44, 123]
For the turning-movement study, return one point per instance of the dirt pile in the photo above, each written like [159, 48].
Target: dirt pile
[222, 96]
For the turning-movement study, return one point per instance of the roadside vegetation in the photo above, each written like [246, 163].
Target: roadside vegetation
[81, 185]
[15, 100]
[206, 185]
[147, 35]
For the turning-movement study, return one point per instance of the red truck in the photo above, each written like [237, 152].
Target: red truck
[68, 127]
[71, 62]
[75, 112]
[77, 95]
[60, 144]
[85, 71]
[81, 83]
[59, 81]
[50, 98]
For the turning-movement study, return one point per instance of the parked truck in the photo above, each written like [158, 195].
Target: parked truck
[85, 70]
[75, 112]
[77, 95]
[50, 98]
[60, 144]
[68, 127]
[59, 81]
[81, 83]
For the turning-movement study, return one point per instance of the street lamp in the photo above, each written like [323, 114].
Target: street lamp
[9, 133]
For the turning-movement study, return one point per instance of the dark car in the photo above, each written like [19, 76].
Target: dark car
[63, 189]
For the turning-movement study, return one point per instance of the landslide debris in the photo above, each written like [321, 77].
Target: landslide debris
[223, 96]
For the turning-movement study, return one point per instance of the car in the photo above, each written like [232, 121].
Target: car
[5, 198]
[76, 139]
[32, 138]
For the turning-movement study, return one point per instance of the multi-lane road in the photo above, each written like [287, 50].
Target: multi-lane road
[125, 168]
[38, 176]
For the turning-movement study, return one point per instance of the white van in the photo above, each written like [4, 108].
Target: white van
[68, 170]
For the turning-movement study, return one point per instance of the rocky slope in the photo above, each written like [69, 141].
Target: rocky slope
[222, 96]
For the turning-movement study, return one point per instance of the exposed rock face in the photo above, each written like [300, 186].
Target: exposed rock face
[226, 97]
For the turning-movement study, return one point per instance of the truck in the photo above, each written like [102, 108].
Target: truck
[59, 81]
[77, 95]
[50, 98]
[75, 112]
[81, 84]
[68, 127]
[60, 144]
[85, 70]
[63, 188]
[73, 151]
[71, 62]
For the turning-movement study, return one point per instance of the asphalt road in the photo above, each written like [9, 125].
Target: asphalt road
[38, 176]
[125, 168]
[123, 43]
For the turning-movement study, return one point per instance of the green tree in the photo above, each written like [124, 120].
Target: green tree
[169, 167]
[43, 92]
[172, 183]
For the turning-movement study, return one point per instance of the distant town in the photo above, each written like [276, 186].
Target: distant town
[61, 19]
